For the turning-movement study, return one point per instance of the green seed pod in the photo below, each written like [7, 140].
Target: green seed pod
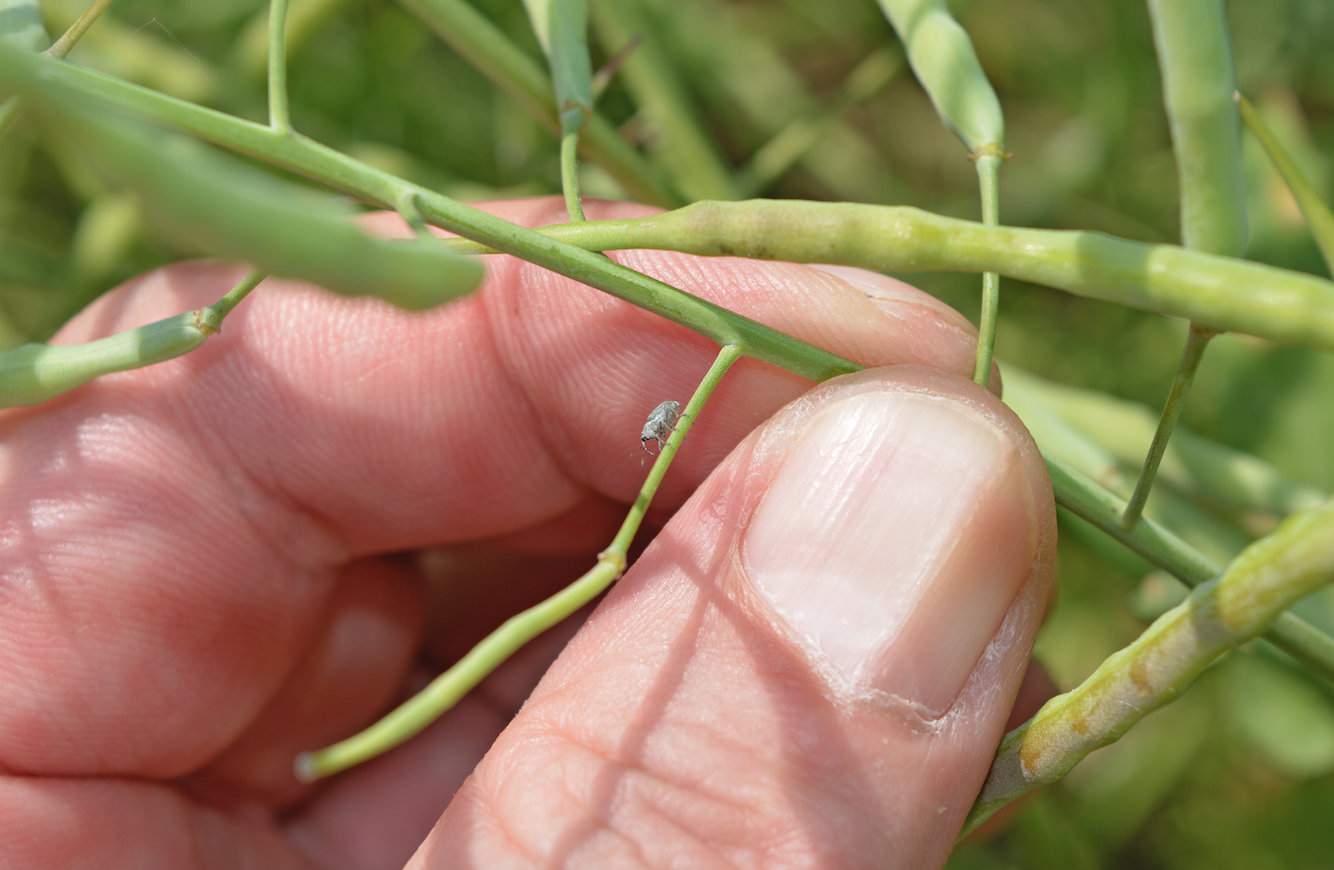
[1198, 84]
[218, 205]
[34, 373]
[942, 58]
[562, 28]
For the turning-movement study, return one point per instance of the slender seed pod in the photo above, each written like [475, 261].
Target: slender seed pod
[218, 204]
[942, 58]
[1218, 292]
[562, 29]
[447, 689]
[1198, 84]
[34, 373]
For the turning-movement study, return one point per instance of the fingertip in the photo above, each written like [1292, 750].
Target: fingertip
[854, 703]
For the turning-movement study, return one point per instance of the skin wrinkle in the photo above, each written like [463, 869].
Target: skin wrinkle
[322, 575]
[102, 753]
[505, 366]
[655, 810]
[324, 539]
[608, 758]
[499, 822]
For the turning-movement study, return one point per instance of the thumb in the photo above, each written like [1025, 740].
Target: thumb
[812, 664]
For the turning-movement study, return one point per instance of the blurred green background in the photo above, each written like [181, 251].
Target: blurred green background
[1240, 773]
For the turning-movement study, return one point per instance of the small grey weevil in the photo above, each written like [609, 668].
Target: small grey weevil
[659, 425]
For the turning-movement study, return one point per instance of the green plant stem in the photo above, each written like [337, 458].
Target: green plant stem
[1196, 342]
[146, 54]
[988, 172]
[34, 373]
[1318, 215]
[304, 156]
[251, 48]
[1086, 478]
[219, 310]
[479, 41]
[414, 715]
[62, 46]
[1217, 292]
[682, 144]
[1195, 57]
[569, 175]
[943, 59]
[1268, 577]
[603, 77]
[279, 118]
[446, 690]
[407, 208]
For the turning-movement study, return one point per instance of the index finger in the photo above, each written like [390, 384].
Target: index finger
[169, 534]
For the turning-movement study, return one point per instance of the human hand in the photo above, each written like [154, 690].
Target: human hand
[811, 665]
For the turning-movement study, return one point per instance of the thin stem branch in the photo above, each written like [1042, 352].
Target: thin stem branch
[1196, 342]
[70, 38]
[9, 109]
[1318, 215]
[569, 175]
[681, 143]
[279, 118]
[407, 208]
[450, 687]
[604, 76]
[727, 356]
[218, 311]
[1204, 469]
[486, 47]
[988, 172]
